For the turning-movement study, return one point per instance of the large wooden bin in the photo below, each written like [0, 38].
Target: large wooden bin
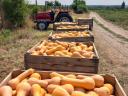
[86, 21]
[61, 63]
[72, 39]
[55, 25]
[86, 27]
[118, 90]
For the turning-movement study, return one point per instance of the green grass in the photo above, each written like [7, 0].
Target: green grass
[116, 16]
[14, 44]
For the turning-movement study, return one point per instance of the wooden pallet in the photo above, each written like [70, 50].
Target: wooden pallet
[72, 39]
[61, 63]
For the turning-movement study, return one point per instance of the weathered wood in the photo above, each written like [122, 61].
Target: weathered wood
[73, 39]
[118, 90]
[62, 63]
[86, 21]
[55, 25]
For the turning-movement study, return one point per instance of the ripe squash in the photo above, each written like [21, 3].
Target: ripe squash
[58, 48]
[71, 76]
[51, 87]
[48, 95]
[87, 83]
[81, 76]
[55, 74]
[36, 90]
[14, 93]
[79, 93]
[14, 82]
[59, 91]
[110, 87]
[6, 91]
[68, 87]
[36, 75]
[42, 83]
[102, 91]
[23, 89]
[54, 80]
[99, 80]
[92, 93]
[80, 89]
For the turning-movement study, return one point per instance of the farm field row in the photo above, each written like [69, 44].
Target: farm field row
[116, 16]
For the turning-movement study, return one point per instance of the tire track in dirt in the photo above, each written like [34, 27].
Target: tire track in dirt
[113, 54]
[120, 32]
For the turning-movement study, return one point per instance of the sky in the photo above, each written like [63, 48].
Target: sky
[89, 2]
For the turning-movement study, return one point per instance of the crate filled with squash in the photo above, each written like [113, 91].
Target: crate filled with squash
[72, 36]
[55, 25]
[63, 56]
[47, 83]
[72, 28]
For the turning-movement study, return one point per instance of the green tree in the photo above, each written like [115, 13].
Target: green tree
[15, 11]
[79, 5]
[123, 5]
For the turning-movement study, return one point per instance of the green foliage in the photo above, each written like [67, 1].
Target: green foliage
[123, 5]
[117, 16]
[79, 5]
[15, 11]
[50, 4]
[5, 32]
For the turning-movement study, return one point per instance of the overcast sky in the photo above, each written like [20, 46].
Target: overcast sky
[89, 2]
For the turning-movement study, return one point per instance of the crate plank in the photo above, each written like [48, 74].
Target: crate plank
[73, 39]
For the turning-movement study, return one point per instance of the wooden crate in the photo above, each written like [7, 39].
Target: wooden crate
[72, 39]
[55, 25]
[118, 90]
[86, 21]
[74, 29]
[61, 63]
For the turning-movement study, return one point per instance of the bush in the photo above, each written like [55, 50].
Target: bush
[15, 12]
[79, 6]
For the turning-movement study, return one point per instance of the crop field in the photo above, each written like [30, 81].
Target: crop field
[113, 51]
[116, 16]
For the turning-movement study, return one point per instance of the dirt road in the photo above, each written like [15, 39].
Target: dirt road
[112, 49]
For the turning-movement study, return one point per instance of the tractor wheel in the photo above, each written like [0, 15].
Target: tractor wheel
[42, 25]
[64, 18]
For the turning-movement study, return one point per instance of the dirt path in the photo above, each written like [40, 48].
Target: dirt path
[113, 51]
[116, 29]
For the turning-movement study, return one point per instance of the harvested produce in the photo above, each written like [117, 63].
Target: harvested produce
[14, 82]
[72, 27]
[64, 49]
[71, 34]
[56, 84]
[65, 23]
[6, 91]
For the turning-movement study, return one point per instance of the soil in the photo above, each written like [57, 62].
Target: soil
[113, 50]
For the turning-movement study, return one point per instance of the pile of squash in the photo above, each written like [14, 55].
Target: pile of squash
[64, 49]
[65, 23]
[71, 34]
[73, 27]
[30, 83]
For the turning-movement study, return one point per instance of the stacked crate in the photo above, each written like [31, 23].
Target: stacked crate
[81, 59]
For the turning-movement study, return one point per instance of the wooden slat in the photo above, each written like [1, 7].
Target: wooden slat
[62, 63]
[118, 90]
[73, 39]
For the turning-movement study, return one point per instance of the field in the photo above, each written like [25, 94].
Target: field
[113, 51]
[116, 16]
[13, 45]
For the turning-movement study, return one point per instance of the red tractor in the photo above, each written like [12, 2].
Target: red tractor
[43, 19]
